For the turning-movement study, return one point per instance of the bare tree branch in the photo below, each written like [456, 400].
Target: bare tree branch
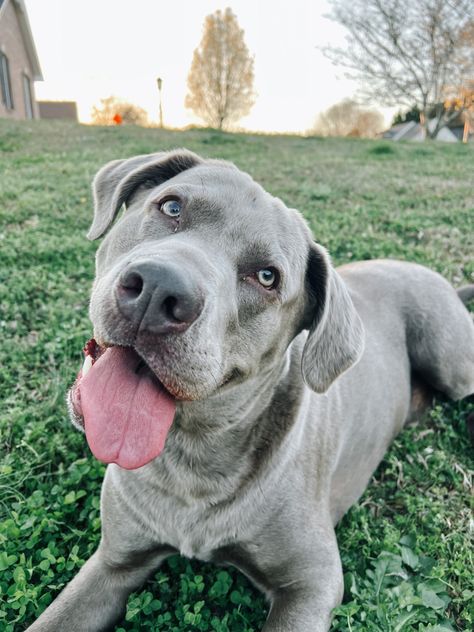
[404, 52]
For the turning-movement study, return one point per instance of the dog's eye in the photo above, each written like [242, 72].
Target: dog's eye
[267, 277]
[172, 208]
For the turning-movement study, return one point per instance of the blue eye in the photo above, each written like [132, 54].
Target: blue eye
[171, 208]
[267, 277]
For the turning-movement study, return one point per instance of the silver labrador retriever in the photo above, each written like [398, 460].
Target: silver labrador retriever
[242, 389]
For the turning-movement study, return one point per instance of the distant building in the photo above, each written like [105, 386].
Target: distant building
[414, 131]
[19, 65]
[58, 110]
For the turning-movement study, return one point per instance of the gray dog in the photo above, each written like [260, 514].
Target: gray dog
[242, 389]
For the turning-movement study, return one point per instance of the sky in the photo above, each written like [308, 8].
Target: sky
[92, 49]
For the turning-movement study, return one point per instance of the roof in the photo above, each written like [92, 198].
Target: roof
[20, 10]
[414, 131]
[402, 131]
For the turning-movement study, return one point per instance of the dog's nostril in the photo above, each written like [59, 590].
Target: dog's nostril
[157, 298]
[169, 306]
[132, 285]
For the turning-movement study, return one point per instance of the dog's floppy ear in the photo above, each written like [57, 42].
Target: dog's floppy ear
[116, 182]
[336, 335]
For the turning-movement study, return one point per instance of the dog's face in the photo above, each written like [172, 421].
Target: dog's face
[205, 279]
[219, 241]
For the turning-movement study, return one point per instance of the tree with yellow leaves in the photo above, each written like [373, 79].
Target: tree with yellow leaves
[112, 110]
[462, 106]
[221, 77]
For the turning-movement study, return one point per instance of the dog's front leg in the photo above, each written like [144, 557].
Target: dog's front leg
[305, 606]
[295, 560]
[306, 582]
[96, 598]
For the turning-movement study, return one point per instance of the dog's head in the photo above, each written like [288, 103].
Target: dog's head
[200, 287]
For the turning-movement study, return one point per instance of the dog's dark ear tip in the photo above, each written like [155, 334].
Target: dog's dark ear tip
[319, 389]
[92, 236]
[95, 231]
[315, 375]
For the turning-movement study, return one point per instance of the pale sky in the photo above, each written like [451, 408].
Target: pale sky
[97, 48]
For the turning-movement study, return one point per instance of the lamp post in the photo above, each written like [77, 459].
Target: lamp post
[159, 81]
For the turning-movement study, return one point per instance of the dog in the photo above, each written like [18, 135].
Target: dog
[241, 389]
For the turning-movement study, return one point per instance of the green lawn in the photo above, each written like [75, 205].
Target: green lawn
[406, 547]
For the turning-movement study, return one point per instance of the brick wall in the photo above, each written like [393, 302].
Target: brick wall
[58, 110]
[11, 44]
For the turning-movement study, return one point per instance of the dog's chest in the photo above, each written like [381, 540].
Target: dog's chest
[194, 531]
[192, 525]
[197, 529]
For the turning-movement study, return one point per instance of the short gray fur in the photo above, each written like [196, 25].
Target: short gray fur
[256, 471]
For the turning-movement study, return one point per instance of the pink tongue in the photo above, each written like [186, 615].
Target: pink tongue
[127, 415]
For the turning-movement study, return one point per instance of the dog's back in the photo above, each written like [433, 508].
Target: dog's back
[415, 325]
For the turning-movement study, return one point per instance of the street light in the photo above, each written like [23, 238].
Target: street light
[159, 81]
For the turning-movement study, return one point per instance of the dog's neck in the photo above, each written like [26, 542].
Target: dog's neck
[217, 446]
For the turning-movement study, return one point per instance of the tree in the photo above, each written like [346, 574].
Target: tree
[348, 118]
[413, 114]
[407, 52]
[220, 80]
[111, 107]
[461, 107]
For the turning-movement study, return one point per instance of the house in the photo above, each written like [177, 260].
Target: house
[414, 131]
[58, 110]
[19, 65]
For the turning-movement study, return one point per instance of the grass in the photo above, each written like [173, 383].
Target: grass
[406, 546]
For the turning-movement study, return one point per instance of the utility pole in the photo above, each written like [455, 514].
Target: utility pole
[159, 81]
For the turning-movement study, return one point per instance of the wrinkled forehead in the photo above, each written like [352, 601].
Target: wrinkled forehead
[241, 216]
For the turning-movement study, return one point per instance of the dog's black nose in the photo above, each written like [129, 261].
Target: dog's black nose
[158, 297]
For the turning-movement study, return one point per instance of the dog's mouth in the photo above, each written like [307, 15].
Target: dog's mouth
[125, 410]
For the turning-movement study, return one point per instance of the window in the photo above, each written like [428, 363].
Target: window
[27, 97]
[5, 81]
